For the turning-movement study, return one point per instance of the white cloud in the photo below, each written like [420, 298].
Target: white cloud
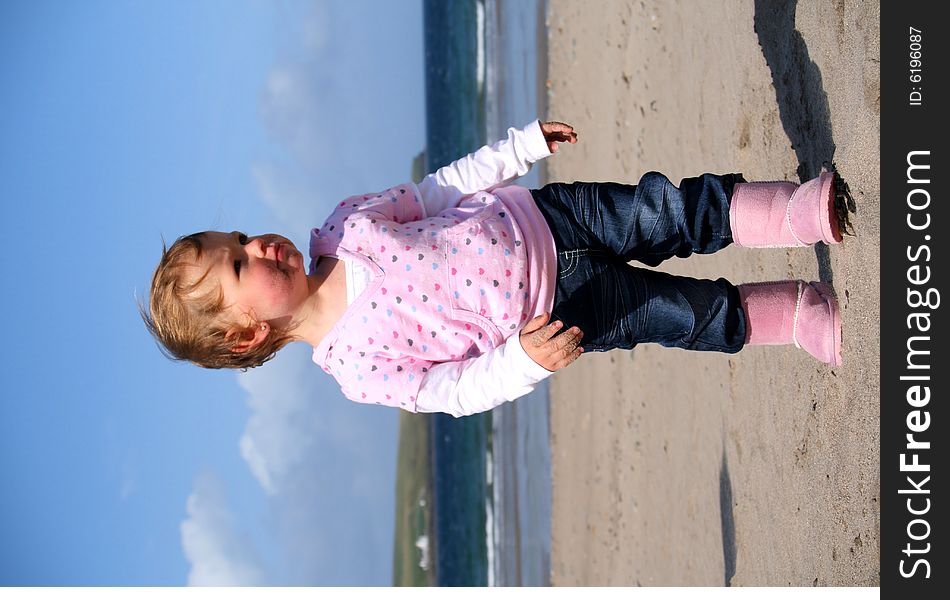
[129, 485]
[218, 554]
[292, 198]
[294, 113]
[327, 466]
[279, 434]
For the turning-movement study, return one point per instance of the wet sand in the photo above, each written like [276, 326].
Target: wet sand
[760, 468]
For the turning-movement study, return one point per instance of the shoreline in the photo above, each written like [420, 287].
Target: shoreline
[760, 468]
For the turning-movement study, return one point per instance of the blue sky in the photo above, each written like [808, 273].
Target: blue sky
[123, 122]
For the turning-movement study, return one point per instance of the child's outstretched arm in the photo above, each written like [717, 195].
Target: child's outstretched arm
[484, 169]
[502, 374]
[493, 166]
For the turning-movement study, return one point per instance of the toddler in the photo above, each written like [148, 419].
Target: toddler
[462, 292]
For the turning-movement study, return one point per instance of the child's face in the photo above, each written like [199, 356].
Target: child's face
[262, 276]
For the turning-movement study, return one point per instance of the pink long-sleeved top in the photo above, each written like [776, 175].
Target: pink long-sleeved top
[456, 267]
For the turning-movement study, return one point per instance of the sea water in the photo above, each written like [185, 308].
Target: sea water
[491, 484]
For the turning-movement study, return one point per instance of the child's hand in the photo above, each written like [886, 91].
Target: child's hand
[555, 132]
[550, 351]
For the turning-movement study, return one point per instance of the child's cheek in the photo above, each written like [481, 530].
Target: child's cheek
[276, 289]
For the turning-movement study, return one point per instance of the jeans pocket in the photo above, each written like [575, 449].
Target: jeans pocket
[567, 263]
[569, 260]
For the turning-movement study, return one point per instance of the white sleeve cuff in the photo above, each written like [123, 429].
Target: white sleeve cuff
[535, 146]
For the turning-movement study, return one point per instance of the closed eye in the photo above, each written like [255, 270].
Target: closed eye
[242, 239]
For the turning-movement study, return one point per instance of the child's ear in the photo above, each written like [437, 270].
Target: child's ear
[249, 338]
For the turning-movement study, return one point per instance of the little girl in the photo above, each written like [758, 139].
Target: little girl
[437, 297]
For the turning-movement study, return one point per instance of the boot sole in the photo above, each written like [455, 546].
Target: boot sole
[830, 229]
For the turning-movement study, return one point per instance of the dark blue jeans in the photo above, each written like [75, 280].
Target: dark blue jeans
[599, 227]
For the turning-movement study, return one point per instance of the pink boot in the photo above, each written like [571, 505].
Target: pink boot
[780, 214]
[793, 312]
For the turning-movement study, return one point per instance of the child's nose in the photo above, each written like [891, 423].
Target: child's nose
[260, 246]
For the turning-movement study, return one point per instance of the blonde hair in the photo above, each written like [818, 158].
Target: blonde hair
[188, 325]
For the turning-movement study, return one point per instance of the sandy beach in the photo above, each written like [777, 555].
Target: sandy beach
[755, 469]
